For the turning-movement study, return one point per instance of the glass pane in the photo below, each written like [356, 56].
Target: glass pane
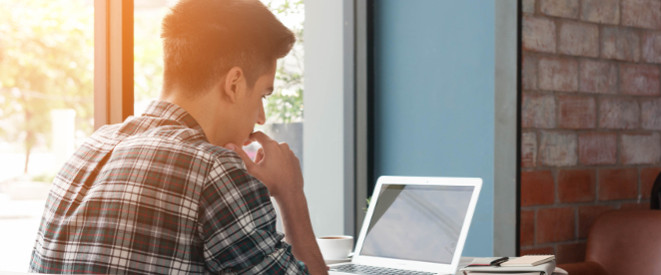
[46, 109]
[284, 109]
[148, 50]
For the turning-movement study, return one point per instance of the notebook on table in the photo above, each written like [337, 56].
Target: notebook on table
[414, 225]
[529, 260]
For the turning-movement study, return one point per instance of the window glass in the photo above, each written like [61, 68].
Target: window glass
[46, 109]
[148, 50]
[284, 109]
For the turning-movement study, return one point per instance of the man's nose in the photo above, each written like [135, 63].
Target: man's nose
[261, 118]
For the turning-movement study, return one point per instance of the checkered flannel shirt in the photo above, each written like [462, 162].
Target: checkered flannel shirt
[152, 195]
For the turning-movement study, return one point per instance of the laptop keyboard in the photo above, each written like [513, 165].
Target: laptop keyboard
[375, 270]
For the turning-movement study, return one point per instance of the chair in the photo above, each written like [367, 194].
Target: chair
[622, 242]
[656, 193]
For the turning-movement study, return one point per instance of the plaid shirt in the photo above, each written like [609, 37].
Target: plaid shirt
[152, 195]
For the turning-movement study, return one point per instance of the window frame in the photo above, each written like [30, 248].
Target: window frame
[329, 135]
[113, 61]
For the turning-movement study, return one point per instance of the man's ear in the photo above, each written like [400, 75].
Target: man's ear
[233, 83]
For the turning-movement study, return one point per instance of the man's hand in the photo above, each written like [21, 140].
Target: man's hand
[275, 165]
[279, 169]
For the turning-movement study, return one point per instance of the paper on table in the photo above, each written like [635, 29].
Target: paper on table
[483, 261]
[557, 271]
[529, 260]
[527, 273]
[545, 268]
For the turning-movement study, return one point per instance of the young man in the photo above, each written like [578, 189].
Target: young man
[172, 191]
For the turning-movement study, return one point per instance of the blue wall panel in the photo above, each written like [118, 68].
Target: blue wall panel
[434, 97]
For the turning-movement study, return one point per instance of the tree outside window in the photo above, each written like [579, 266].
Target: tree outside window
[46, 108]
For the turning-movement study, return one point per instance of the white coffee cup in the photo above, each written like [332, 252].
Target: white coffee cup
[335, 247]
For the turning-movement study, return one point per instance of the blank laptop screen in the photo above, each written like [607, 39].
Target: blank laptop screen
[417, 222]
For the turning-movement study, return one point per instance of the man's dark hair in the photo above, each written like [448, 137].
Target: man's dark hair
[203, 39]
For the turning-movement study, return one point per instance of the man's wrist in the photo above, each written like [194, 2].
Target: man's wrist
[298, 229]
[289, 195]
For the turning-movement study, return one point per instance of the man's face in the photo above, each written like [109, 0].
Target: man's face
[252, 105]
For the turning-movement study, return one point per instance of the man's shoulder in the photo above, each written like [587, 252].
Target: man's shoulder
[222, 157]
[153, 132]
[169, 138]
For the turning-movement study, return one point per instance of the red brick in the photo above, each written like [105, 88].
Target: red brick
[647, 178]
[527, 236]
[576, 112]
[635, 206]
[538, 34]
[597, 148]
[618, 113]
[547, 250]
[620, 43]
[579, 39]
[576, 185]
[560, 8]
[558, 149]
[529, 72]
[538, 111]
[558, 74]
[641, 13]
[528, 149]
[618, 184]
[601, 11]
[598, 77]
[528, 6]
[640, 149]
[638, 79]
[587, 215]
[652, 47]
[651, 114]
[570, 253]
[555, 225]
[537, 188]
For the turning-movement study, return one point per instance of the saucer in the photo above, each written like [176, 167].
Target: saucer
[337, 261]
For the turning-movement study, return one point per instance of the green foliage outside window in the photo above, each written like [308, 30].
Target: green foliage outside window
[46, 63]
[286, 103]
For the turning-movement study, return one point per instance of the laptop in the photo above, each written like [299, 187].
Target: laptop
[414, 225]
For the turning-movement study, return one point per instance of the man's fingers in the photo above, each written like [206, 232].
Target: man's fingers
[285, 146]
[260, 155]
[242, 154]
[262, 138]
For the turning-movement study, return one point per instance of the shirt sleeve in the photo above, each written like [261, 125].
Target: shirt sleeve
[237, 224]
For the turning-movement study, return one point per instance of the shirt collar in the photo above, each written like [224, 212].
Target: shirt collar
[171, 111]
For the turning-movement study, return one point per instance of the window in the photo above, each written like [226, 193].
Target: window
[284, 108]
[148, 50]
[46, 99]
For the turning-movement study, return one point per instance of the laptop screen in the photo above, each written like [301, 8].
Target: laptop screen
[417, 222]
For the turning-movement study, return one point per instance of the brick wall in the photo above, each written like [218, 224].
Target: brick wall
[591, 116]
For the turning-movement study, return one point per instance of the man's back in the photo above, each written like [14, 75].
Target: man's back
[151, 195]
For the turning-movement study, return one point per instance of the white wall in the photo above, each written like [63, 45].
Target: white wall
[328, 114]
